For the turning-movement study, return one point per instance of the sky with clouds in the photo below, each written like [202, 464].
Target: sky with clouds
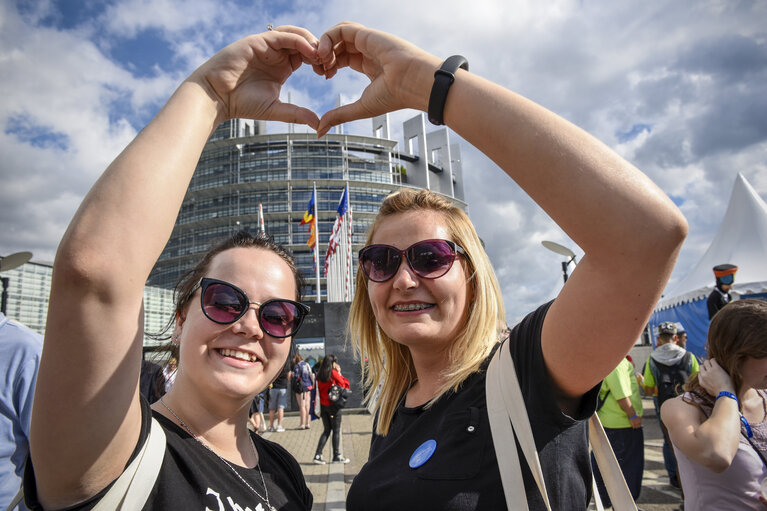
[677, 88]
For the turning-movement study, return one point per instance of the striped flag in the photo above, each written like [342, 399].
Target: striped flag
[338, 256]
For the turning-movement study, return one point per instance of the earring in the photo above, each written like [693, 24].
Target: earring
[174, 338]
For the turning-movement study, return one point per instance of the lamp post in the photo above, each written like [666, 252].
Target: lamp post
[561, 250]
[8, 263]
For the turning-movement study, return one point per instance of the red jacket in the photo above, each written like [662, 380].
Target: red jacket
[324, 386]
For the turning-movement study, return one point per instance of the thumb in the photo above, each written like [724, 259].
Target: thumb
[342, 114]
[287, 112]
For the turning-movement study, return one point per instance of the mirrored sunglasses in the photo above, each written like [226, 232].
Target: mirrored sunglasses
[429, 259]
[225, 303]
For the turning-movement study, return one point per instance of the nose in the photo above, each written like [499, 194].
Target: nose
[405, 278]
[248, 324]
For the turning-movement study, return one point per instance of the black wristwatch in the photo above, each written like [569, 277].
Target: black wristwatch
[443, 79]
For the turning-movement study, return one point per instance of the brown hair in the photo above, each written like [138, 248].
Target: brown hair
[737, 332]
[297, 358]
[388, 364]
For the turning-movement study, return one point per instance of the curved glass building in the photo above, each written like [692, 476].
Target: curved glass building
[242, 166]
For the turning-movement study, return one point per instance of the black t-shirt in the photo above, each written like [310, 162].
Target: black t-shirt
[281, 382]
[462, 473]
[193, 478]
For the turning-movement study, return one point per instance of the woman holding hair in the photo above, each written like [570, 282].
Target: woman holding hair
[236, 312]
[719, 425]
[304, 395]
[428, 307]
[330, 413]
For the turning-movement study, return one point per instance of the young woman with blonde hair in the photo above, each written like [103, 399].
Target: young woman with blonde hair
[428, 307]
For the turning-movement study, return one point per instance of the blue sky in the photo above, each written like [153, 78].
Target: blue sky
[677, 88]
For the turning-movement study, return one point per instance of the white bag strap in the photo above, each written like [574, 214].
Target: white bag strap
[619, 493]
[17, 499]
[508, 416]
[131, 490]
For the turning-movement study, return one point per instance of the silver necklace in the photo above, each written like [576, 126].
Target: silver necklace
[252, 445]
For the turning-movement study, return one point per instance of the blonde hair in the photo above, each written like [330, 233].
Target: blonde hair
[388, 364]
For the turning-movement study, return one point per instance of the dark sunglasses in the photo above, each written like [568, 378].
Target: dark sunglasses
[429, 259]
[225, 303]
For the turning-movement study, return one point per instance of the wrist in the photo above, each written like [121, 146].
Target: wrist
[443, 80]
[211, 103]
[727, 395]
[634, 417]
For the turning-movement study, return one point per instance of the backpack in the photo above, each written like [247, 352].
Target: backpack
[297, 383]
[669, 379]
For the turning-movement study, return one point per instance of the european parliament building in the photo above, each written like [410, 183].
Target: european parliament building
[242, 166]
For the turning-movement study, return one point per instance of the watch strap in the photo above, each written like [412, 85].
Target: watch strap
[443, 79]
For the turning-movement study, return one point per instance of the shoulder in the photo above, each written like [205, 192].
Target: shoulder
[681, 410]
[525, 337]
[18, 338]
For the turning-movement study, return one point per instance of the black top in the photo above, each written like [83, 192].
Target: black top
[462, 474]
[281, 382]
[191, 477]
[716, 300]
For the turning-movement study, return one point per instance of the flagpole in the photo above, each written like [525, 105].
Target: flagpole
[316, 244]
[261, 219]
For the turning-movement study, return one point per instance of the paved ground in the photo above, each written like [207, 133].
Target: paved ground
[329, 483]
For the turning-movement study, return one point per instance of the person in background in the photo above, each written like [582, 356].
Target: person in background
[621, 415]
[278, 400]
[257, 413]
[720, 295]
[428, 311]
[667, 369]
[151, 381]
[302, 374]
[330, 413]
[20, 350]
[681, 335]
[718, 427]
[169, 372]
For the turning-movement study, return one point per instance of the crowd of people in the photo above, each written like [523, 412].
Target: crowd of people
[427, 318]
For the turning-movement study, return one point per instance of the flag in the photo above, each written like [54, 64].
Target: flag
[343, 206]
[338, 259]
[309, 219]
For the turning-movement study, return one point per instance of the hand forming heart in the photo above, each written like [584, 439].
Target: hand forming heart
[246, 77]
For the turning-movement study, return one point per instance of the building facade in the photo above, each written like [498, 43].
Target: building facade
[241, 167]
[29, 288]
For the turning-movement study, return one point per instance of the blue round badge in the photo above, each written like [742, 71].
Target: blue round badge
[423, 453]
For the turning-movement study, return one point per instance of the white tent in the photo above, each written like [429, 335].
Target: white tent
[741, 240]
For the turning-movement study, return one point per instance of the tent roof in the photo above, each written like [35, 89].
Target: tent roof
[741, 240]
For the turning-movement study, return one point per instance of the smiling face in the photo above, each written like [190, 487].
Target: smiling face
[238, 359]
[415, 311]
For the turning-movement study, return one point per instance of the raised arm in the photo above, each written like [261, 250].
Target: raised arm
[708, 441]
[629, 229]
[86, 418]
